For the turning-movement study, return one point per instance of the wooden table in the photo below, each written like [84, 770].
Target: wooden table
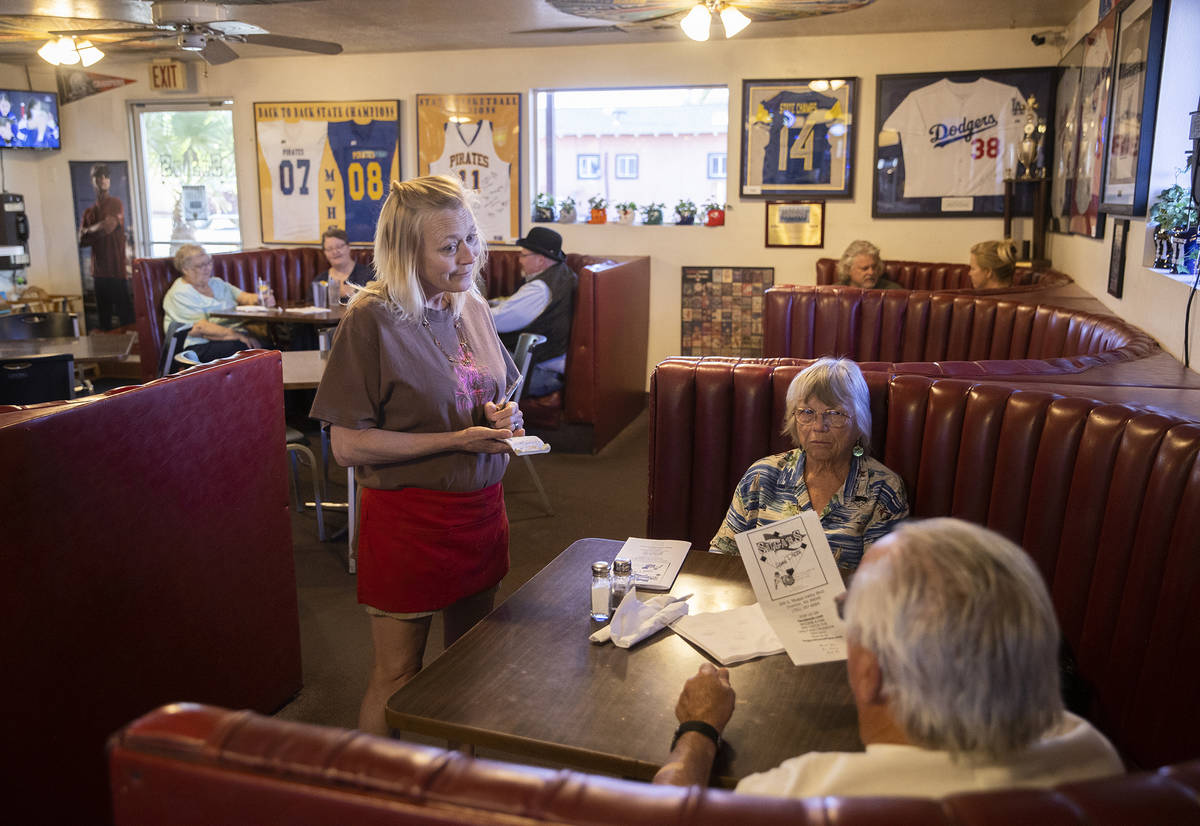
[526, 681]
[106, 347]
[302, 369]
[287, 315]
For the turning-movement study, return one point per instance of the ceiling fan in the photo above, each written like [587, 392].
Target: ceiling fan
[205, 29]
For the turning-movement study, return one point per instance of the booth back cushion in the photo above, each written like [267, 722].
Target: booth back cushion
[147, 559]
[199, 766]
[895, 326]
[933, 275]
[1105, 498]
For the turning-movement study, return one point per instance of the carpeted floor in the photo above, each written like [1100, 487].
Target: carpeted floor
[602, 496]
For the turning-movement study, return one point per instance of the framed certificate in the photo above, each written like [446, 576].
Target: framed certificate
[795, 223]
[1141, 28]
[798, 137]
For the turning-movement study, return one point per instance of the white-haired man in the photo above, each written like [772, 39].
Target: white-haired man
[952, 648]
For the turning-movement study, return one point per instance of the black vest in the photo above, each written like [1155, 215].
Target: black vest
[555, 321]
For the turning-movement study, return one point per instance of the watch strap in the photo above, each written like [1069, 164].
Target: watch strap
[700, 727]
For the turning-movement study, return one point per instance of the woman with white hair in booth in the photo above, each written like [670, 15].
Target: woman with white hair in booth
[828, 418]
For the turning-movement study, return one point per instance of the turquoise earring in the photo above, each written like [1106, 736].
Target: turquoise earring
[858, 450]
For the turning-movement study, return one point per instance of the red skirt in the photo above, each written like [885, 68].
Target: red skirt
[421, 550]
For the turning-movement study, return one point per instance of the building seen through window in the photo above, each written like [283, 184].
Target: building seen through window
[658, 145]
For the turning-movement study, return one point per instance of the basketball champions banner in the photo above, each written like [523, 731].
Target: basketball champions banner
[476, 138]
[325, 165]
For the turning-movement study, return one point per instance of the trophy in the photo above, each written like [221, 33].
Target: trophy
[1030, 156]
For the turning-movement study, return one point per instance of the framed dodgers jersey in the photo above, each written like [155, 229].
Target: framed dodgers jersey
[325, 165]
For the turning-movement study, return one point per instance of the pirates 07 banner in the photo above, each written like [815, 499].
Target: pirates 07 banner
[476, 138]
[325, 165]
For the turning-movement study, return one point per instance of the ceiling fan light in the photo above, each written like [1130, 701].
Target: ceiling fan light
[733, 21]
[88, 53]
[49, 52]
[696, 24]
[67, 56]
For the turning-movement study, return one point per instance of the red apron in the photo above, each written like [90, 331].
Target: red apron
[421, 550]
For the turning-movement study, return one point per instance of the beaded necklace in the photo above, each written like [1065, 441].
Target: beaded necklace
[466, 357]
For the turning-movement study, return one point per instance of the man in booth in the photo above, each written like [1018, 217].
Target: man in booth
[952, 658]
[545, 304]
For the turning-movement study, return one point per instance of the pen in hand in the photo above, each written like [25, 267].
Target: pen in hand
[512, 388]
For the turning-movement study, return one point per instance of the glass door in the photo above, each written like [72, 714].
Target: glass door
[187, 176]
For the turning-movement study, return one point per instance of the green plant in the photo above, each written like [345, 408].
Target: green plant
[544, 200]
[711, 204]
[567, 205]
[685, 208]
[598, 202]
[652, 214]
[1174, 208]
[627, 206]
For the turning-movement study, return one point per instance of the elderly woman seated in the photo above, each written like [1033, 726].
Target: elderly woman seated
[861, 266]
[992, 264]
[828, 417]
[192, 297]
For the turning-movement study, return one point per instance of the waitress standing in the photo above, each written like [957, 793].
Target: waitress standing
[410, 394]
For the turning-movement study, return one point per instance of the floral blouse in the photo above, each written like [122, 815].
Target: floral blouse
[867, 508]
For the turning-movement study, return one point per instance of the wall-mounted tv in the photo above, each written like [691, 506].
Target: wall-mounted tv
[28, 120]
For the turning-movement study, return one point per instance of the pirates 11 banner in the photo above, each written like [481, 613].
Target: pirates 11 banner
[325, 166]
[476, 138]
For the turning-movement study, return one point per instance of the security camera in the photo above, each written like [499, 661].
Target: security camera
[1052, 36]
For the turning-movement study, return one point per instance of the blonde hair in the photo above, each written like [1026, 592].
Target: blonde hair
[999, 257]
[856, 249]
[400, 238]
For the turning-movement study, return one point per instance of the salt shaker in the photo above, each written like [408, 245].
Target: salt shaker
[622, 581]
[601, 591]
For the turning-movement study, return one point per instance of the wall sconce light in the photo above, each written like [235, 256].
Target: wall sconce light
[66, 52]
[697, 22]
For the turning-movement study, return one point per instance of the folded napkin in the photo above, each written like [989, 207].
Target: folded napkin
[635, 620]
[731, 636]
[252, 308]
[308, 310]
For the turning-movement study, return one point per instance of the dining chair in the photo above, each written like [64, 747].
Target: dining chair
[295, 442]
[24, 326]
[177, 333]
[36, 299]
[523, 355]
[33, 379]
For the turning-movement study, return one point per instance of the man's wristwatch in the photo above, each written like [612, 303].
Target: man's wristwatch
[700, 727]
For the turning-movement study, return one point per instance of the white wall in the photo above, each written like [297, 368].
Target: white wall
[96, 129]
[1151, 300]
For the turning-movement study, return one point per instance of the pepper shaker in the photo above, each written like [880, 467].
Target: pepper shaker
[601, 591]
[622, 581]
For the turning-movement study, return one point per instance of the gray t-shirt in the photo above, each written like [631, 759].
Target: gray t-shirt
[389, 373]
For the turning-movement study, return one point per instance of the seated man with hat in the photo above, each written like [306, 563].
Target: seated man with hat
[545, 304]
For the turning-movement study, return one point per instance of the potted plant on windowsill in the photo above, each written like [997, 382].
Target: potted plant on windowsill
[714, 213]
[685, 212]
[599, 206]
[626, 212]
[543, 208]
[1176, 236]
[652, 214]
[566, 211]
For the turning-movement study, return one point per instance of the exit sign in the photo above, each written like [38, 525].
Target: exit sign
[168, 75]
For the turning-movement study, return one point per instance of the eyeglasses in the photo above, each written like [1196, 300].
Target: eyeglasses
[205, 264]
[338, 248]
[833, 419]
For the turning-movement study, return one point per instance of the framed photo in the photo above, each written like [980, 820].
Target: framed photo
[722, 310]
[1116, 261]
[99, 193]
[795, 223]
[324, 165]
[798, 137]
[1095, 84]
[1066, 149]
[476, 138]
[945, 141]
[1141, 27]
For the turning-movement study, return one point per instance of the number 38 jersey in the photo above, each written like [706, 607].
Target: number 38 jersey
[365, 154]
[958, 138]
[293, 153]
[470, 154]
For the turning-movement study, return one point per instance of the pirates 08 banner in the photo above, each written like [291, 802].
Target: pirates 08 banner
[325, 165]
[476, 138]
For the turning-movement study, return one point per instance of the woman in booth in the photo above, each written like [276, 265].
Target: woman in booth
[344, 271]
[828, 418]
[194, 295]
[993, 264]
[411, 391]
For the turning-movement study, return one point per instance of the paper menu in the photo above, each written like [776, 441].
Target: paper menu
[795, 579]
[656, 562]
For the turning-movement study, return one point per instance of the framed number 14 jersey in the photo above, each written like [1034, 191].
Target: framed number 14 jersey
[325, 166]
